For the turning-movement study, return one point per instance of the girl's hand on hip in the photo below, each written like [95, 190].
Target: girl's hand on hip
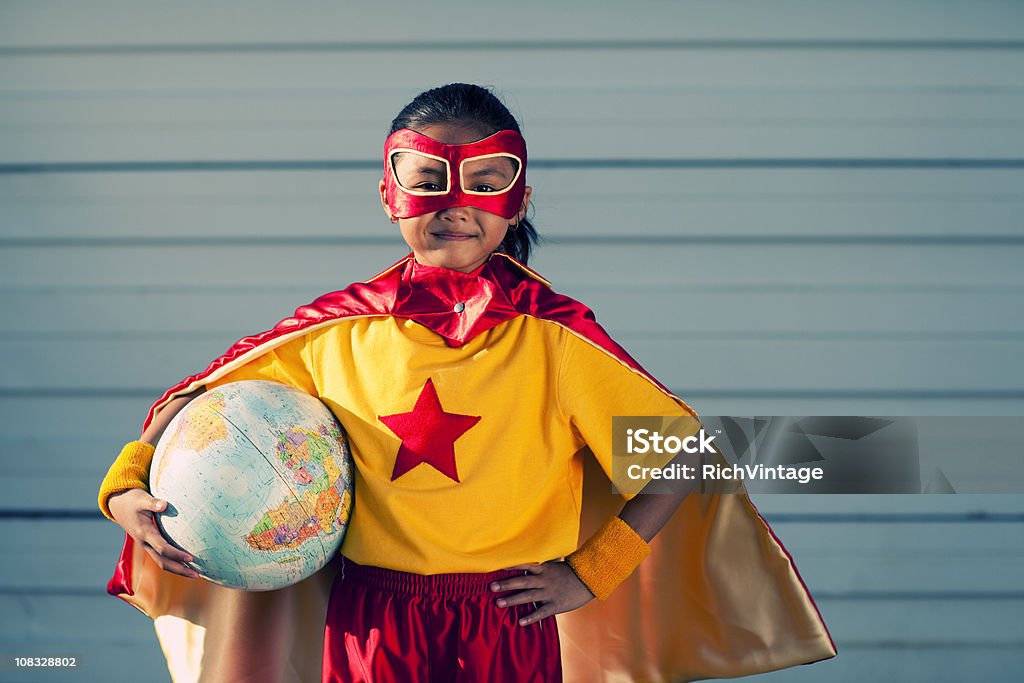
[133, 510]
[553, 585]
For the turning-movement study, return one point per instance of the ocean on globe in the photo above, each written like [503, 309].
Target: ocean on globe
[258, 480]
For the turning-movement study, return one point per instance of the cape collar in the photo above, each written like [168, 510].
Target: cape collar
[498, 291]
[457, 306]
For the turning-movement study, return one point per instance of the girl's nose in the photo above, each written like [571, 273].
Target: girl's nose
[455, 213]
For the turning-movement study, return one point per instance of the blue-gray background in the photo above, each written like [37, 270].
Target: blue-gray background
[781, 208]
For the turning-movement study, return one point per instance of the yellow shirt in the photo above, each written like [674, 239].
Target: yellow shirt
[512, 492]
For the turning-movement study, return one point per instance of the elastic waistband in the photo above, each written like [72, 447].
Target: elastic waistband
[423, 584]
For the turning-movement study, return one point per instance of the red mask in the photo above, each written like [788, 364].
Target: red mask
[422, 175]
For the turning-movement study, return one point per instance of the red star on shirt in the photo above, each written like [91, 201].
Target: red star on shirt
[428, 434]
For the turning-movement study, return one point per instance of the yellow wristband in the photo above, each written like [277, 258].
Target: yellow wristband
[129, 471]
[608, 557]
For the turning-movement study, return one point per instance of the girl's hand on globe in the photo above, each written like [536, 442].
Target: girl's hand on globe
[133, 510]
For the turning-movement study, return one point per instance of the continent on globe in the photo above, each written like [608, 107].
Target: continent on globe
[319, 505]
[199, 428]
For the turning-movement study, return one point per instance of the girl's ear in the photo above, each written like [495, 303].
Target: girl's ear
[525, 205]
[384, 202]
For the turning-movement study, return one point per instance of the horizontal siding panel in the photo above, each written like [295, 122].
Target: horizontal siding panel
[580, 204]
[854, 365]
[287, 110]
[566, 71]
[70, 465]
[73, 313]
[45, 547]
[96, 412]
[839, 560]
[779, 508]
[67, 489]
[75, 489]
[939, 662]
[693, 268]
[718, 119]
[930, 572]
[111, 640]
[907, 622]
[979, 623]
[630, 312]
[754, 364]
[639, 312]
[970, 638]
[87, 417]
[870, 506]
[46, 23]
[72, 619]
[935, 662]
[840, 402]
[263, 267]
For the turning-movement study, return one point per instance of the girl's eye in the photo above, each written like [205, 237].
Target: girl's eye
[485, 188]
[427, 187]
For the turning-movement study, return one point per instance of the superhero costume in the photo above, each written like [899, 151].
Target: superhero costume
[719, 596]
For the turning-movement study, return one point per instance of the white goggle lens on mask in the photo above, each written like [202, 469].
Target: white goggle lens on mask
[489, 173]
[421, 174]
[427, 175]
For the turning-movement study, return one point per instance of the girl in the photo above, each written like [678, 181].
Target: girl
[473, 397]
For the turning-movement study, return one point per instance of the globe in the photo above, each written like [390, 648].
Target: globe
[257, 477]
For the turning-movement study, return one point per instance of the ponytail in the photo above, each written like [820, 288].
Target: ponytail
[519, 243]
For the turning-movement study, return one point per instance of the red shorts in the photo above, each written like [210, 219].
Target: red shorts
[386, 626]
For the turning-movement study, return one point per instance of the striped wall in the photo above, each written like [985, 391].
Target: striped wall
[778, 207]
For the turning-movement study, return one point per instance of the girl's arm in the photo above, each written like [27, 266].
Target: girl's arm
[556, 586]
[646, 513]
[133, 508]
[163, 418]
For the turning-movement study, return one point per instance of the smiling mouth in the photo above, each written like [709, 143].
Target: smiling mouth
[454, 236]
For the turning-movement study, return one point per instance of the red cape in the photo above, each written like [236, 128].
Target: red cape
[692, 625]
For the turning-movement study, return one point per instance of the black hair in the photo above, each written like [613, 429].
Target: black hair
[466, 103]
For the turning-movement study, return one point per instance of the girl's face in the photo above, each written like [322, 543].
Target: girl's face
[461, 237]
